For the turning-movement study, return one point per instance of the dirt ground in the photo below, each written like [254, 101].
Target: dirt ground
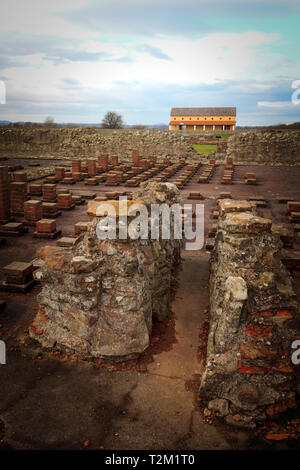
[49, 400]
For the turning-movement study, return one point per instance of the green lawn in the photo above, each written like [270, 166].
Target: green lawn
[104, 134]
[223, 136]
[205, 148]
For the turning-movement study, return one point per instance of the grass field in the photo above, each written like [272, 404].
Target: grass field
[205, 148]
[223, 136]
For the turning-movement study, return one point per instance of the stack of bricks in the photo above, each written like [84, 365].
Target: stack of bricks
[50, 210]
[135, 158]
[111, 180]
[13, 229]
[4, 195]
[35, 189]
[293, 211]
[103, 162]
[49, 192]
[76, 166]
[18, 195]
[250, 178]
[18, 277]
[91, 167]
[77, 199]
[59, 173]
[208, 172]
[76, 170]
[33, 212]
[228, 172]
[19, 176]
[80, 227]
[65, 201]
[114, 160]
[46, 228]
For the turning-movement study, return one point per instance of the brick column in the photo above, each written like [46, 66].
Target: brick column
[135, 158]
[115, 160]
[59, 173]
[76, 166]
[20, 176]
[4, 195]
[91, 167]
[49, 192]
[103, 161]
[18, 195]
[32, 212]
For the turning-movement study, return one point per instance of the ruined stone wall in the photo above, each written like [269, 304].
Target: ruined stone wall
[254, 318]
[98, 297]
[89, 142]
[267, 147]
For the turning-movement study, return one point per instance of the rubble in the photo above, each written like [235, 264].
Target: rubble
[99, 296]
[254, 318]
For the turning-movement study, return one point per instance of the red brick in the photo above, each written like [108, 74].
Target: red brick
[258, 331]
[46, 226]
[255, 351]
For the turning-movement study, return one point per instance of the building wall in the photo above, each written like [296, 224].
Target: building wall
[200, 121]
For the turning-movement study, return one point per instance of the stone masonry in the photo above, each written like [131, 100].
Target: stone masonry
[99, 296]
[267, 147]
[254, 318]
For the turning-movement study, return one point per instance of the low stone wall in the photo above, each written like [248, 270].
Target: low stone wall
[267, 147]
[90, 142]
[254, 318]
[99, 297]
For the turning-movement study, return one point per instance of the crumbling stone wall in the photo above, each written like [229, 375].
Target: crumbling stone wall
[267, 147]
[99, 297]
[89, 142]
[254, 318]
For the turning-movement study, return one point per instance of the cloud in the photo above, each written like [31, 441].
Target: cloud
[286, 105]
[176, 18]
[153, 51]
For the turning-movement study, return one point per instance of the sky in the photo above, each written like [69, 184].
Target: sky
[74, 60]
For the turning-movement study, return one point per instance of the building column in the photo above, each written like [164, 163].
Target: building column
[204, 127]
[194, 128]
[223, 128]
[233, 127]
[214, 127]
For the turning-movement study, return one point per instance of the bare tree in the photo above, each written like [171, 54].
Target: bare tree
[49, 122]
[112, 120]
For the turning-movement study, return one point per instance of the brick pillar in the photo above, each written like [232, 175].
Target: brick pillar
[103, 161]
[49, 192]
[18, 195]
[76, 166]
[91, 167]
[115, 160]
[4, 195]
[59, 173]
[32, 212]
[20, 176]
[135, 157]
[64, 201]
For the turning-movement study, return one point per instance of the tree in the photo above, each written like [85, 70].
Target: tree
[49, 122]
[112, 120]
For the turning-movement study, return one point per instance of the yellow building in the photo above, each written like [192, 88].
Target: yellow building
[203, 119]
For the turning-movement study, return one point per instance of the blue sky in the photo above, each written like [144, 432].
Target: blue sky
[75, 60]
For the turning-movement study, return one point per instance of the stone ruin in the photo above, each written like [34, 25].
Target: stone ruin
[254, 319]
[98, 297]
